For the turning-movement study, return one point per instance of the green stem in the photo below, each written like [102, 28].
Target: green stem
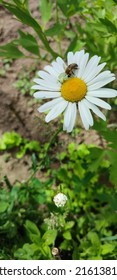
[52, 140]
[58, 38]
[32, 175]
[7, 182]
[43, 38]
[57, 17]
[59, 46]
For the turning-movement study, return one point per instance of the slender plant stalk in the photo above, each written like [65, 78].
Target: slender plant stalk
[7, 182]
[58, 39]
[52, 140]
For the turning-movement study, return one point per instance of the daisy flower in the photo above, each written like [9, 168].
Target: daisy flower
[77, 85]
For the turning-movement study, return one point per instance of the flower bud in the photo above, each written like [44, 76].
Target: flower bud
[60, 199]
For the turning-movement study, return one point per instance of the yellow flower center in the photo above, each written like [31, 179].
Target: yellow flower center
[73, 89]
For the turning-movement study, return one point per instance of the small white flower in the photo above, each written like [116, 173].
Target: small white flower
[60, 199]
[77, 85]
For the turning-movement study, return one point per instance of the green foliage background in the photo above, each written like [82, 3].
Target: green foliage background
[30, 224]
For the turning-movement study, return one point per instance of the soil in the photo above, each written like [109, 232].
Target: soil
[19, 112]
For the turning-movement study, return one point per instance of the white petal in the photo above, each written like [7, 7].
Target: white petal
[95, 72]
[35, 87]
[61, 62]
[73, 118]
[83, 117]
[56, 110]
[46, 94]
[69, 117]
[98, 102]
[58, 67]
[82, 64]
[78, 56]
[67, 114]
[95, 109]
[43, 83]
[87, 112]
[44, 88]
[49, 105]
[91, 65]
[101, 76]
[51, 70]
[103, 92]
[101, 83]
[44, 75]
[70, 58]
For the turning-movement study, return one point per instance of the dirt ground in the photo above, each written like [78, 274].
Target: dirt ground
[19, 112]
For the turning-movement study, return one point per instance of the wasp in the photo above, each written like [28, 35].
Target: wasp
[70, 69]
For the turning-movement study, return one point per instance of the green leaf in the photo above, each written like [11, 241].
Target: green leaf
[22, 14]
[113, 168]
[21, 3]
[111, 27]
[49, 237]
[28, 42]
[69, 225]
[111, 137]
[25, 253]
[46, 252]
[10, 140]
[67, 235]
[75, 45]
[69, 7]
[71, 147]
[25, 17]
[109, 238]
[107, 248]
[108, 134]
[99, 27]
[34, 162]
[93, 237]
[31, 146]
[31, 227]
[113, 173]
[45, 10]
[33, 231]
[3, 206]
[83, 151]
[55, 30]
[62, 175]
[96, 155]
[10, 50]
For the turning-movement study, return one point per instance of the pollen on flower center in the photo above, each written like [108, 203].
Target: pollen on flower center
[73, 89]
